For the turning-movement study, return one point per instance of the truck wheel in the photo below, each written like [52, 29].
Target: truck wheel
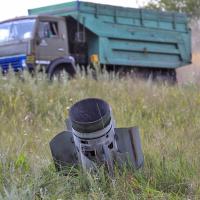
[61, 71]
[165, 75]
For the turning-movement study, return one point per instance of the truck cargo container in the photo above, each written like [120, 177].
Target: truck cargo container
[59, 37]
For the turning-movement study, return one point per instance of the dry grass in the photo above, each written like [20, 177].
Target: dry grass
[33, 111]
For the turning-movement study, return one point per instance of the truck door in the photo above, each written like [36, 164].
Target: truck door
[52, 41]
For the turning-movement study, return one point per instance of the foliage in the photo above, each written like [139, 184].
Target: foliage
[34, 110]
[21, 162]
[191, 7]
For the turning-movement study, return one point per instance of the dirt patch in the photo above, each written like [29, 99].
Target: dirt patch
[190, 73]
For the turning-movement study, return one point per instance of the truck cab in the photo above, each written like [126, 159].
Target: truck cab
[35, 43]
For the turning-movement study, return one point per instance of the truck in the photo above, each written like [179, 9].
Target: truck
[61, 37]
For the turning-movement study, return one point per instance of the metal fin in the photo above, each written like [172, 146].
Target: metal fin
[63, 150]
[128, 142]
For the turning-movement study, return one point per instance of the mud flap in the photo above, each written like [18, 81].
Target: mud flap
[129, 147]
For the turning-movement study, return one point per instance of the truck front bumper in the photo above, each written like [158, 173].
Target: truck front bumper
[15, 62]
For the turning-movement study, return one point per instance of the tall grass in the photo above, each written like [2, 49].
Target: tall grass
[33, 110]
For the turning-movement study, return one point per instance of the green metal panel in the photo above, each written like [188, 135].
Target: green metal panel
[59, 9]
[129, 36]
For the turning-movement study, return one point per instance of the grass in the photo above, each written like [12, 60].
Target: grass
[33, 111]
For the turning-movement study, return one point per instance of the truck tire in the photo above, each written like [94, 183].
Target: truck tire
[60, 67]
[165, 75]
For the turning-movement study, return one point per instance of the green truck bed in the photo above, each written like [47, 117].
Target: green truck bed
[129, 36]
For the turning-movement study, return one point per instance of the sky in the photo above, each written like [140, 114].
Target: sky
[10, 8]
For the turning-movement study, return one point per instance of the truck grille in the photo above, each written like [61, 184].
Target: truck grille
[14, 62]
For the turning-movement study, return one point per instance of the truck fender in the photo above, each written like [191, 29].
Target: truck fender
[66, 63]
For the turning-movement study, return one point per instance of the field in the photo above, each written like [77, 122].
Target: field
[32, 111]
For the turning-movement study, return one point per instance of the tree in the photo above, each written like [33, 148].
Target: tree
[191, 7]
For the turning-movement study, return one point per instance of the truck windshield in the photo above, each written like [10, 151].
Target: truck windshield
[16, 30]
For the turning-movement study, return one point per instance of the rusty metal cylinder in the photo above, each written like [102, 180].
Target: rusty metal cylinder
[93, 132]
